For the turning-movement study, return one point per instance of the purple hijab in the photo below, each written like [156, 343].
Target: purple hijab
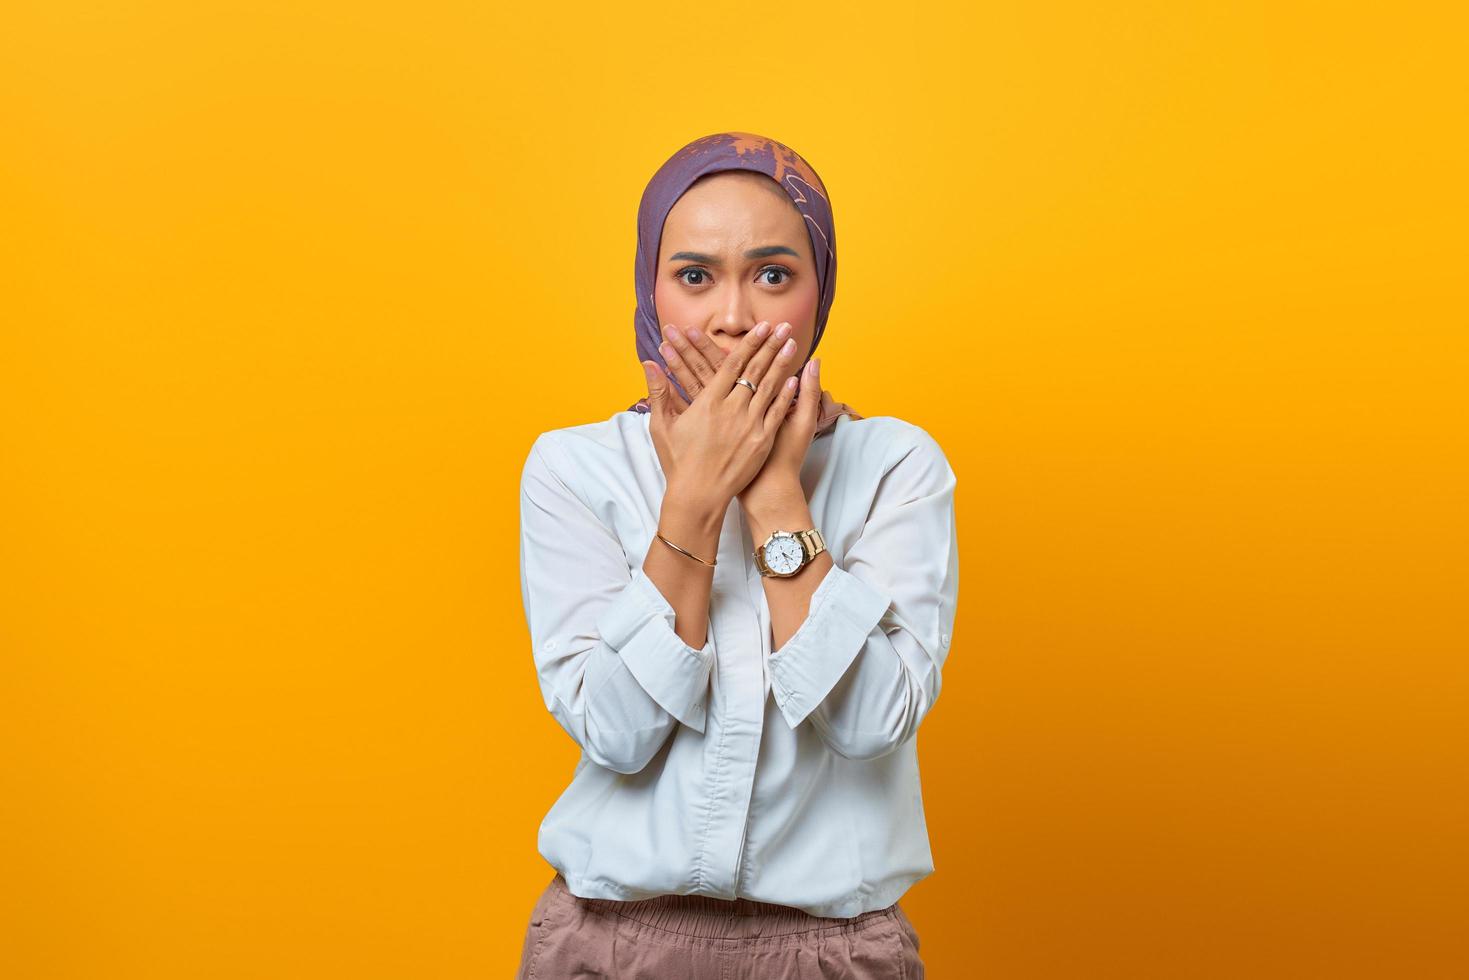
[734, 151]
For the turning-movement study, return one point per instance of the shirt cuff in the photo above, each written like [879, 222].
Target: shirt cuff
[639, 625]
[842, 613]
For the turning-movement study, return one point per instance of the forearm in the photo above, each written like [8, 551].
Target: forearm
[789, 599]
[684, 582]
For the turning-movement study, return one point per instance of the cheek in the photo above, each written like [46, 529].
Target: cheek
[801, 311]
[673, 306]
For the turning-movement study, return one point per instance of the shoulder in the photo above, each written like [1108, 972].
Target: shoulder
[591, 450]
[890, 442]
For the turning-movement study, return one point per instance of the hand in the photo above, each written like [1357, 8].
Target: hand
[781, 474]
[712, 447]
[699, 357]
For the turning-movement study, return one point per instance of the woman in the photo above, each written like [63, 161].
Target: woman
[740, 594]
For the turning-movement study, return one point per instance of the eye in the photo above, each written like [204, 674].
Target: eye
[702, 275]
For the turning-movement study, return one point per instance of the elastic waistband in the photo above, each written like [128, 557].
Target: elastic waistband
[707, 917]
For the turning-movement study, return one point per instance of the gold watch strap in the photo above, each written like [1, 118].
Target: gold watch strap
[812, 541]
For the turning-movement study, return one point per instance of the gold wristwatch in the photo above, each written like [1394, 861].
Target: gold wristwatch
[785, 553]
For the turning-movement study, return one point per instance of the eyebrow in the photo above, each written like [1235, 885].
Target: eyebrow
[754, 253]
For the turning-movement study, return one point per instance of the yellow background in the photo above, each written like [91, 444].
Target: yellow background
[287, 289]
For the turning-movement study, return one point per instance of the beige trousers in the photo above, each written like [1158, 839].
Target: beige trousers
[693, 937]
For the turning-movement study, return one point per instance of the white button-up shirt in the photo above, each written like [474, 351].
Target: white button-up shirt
[735, 771]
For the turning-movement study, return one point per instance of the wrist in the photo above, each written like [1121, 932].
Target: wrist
[691, 513]
[783, 509]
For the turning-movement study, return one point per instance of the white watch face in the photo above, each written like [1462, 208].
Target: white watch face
[784, 555]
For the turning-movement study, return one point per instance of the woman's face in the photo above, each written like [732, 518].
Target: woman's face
[735, 252]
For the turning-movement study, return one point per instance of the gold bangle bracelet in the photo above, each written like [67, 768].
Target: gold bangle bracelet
[675, 547]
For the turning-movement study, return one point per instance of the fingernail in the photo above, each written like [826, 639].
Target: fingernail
[788, 349]
[782, 330]
[693, 332]
[762, 328]
[665, 349]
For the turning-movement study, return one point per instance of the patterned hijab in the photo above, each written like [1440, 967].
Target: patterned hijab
[735, 151]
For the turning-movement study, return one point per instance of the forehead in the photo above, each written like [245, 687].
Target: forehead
[734, 209]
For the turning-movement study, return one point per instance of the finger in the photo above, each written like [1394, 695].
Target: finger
[808, 402]
[711, 351]
[760, 362]
[733, 366]
[685, 377]
[660, 397]
[693, 357]
[780, 403]
[674, 366]
[773, 365]
[811, 391]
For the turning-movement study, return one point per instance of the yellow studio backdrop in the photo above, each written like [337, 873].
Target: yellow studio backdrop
[287, 290]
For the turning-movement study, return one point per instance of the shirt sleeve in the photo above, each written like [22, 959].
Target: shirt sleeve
[611, 669]
[865, 665]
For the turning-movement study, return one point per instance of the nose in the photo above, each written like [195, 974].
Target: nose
[728, 340]
[736, 317]
[730, 336]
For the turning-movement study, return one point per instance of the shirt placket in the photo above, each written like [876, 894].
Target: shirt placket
[739, 668]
